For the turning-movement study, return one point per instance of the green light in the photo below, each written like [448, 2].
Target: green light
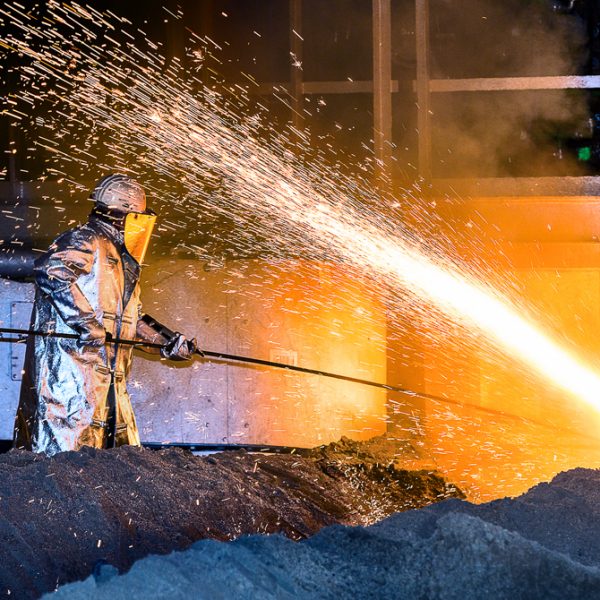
[584, 153]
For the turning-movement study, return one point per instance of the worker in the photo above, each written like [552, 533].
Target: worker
[74, 392]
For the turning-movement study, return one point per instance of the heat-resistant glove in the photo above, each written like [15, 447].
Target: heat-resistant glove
[94, 336]
[179, 348]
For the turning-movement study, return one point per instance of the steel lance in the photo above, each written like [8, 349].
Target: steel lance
[24, 333]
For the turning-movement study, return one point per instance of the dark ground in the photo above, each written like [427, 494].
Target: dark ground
[543, 545]
[61, 516]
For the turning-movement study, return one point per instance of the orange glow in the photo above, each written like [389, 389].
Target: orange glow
[496, 318]
[295, 312]
[510, 425]
[454, 294]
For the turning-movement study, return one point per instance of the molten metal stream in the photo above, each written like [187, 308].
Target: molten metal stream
[461, 299]
[466, 301]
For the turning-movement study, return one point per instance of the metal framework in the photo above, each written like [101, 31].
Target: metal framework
[382, 87]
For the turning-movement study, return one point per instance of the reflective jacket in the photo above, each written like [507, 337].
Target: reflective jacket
[85, 282]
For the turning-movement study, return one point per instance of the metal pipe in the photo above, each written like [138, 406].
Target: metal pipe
[492, 84]
[17, 264]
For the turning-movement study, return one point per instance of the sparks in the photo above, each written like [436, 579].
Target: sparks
[189, 137]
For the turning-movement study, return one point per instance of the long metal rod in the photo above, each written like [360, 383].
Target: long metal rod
[24, 333]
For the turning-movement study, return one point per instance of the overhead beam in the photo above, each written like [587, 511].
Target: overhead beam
[296, 47]
[422, 83]
[318, 87]
[591, 82]
[524, 187]
[492, 84]
[382, 86]
[549, 256]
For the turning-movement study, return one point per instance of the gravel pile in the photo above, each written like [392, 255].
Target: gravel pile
[544, 544]
[61, 518]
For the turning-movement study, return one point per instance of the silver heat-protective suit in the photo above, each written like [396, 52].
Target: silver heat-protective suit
[74, 391]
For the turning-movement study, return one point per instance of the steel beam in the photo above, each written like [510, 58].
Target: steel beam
[12, 174]
[316, 87]
[550, 256]
[423, 96]
[12, 148]
[524, 187]
[515, 84]
[339, 87]
[296, 42]
[382, 85]
[490, 84]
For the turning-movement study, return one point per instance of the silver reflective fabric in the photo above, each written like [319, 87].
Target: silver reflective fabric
[86, 284]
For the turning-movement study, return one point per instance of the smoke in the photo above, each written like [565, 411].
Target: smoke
[517, 133]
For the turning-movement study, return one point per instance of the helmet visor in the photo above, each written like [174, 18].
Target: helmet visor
[137, 232]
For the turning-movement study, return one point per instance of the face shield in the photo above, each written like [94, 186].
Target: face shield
[137, 232]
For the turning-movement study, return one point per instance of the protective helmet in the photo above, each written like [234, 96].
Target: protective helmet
[119, 193]
[122, 200]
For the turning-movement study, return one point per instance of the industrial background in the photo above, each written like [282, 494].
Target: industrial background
[482, 119]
